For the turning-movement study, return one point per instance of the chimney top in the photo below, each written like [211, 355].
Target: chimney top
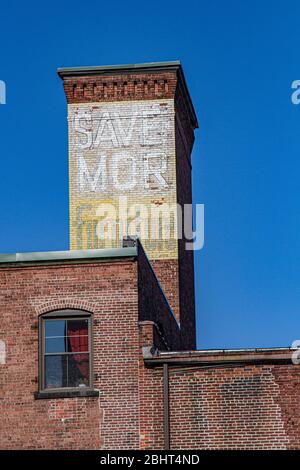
[130, 242]
[175, 66]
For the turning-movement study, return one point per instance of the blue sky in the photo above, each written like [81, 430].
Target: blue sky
[240, 59]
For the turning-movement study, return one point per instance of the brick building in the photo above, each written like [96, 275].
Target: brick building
[98, 343]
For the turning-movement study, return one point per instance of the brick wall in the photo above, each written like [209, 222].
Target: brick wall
[167, 272]
[184, 137]
[109, 291]
[119, 294]
[235, 408]
[154, 307]
[242, 406]
[249, 403]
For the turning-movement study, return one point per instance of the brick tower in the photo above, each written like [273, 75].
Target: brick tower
[131, 133]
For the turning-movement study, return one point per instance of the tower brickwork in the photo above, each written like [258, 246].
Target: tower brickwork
[131, 133]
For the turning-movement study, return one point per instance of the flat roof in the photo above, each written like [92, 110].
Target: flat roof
[220, 357]
[175, 65]
[20, 259]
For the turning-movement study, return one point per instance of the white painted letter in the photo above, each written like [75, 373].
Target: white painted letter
[83, 131]
[123, 171]
[153, 127]
[106, 132]
[155, 164]
[88, 183]
[123, 136]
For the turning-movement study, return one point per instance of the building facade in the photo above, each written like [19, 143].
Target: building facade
[97, 344]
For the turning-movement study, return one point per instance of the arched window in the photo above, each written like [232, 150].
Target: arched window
[65, 350]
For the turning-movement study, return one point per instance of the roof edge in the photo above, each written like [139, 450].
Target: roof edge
[221, 357]
[122, 68]
[66, 256]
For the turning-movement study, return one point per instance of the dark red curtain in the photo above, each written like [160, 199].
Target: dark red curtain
[79, 342]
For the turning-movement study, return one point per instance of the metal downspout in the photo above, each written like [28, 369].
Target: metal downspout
[166, 407]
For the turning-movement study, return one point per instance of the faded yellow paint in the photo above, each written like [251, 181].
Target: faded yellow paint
[122, 151]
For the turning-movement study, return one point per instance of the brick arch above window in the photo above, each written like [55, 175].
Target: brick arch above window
[63, 304]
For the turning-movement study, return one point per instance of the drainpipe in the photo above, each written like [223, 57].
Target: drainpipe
[166, 407]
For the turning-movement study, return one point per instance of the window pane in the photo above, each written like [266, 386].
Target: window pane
[55, 328]
[78, 343]
[67, 344]
[78, 370]
[77, 332]
[55, 371]
[56, 345]
[77, 327]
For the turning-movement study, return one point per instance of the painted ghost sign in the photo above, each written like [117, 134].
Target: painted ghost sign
[122, 161]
